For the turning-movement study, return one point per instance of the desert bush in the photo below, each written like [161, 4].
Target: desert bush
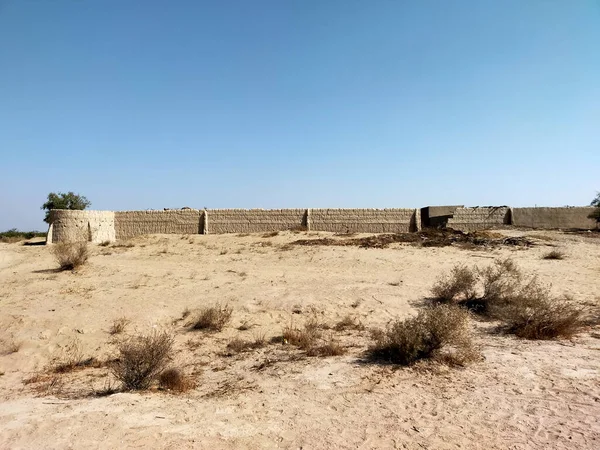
[460, 284]
[439, 332]
[524, 305]
[71, 255]
[142, 359]
[212, 318]
[174, 379]
[554, 254]
[535, 314]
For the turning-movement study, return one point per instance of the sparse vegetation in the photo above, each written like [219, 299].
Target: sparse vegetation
[238, 345]
[71, 255]
[175, 380]
[554, 254]
[459, 285]
[349, 323]
[526, 307]
[439, 332]
[331, 347]
[13, 235]
[119, 325]
[142, 359]
[545, 317]
[213, 318]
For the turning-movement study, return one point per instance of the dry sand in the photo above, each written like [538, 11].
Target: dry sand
[524, 394]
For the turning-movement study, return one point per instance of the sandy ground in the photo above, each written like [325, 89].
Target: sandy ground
[523, 395]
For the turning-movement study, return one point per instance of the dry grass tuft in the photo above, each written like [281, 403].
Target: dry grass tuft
[349, 323]
[440, 333]
[459, 285]
[238, 345]
[330, 348]
[71, 255]
[119, 326]
[213, 318]
[175, 380]
[554, 254]
[142, 359]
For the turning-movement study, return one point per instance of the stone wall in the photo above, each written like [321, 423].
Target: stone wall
[101, 226]
[254, 220]
[134, 223]
[75, 226]
[548, 218]
[364, 220]
[471, 219]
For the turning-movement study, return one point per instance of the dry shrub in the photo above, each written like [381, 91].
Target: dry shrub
[440, 333]
[349, 323]
[213, 318]
[119, 325]
[330, 348]
[71, 255]
[541, 316]
[71, 358]
[459, 285]
[238, 345]
[142, 359]
[525, 306]
[554, 254]
[174, 379]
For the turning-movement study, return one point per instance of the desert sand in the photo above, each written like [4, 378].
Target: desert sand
[521, 395]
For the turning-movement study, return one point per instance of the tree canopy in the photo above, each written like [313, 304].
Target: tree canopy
[60, 200]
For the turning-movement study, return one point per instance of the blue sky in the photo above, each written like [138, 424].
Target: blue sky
[298, 103]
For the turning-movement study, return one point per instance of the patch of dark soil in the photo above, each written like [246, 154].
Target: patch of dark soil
[426, 238]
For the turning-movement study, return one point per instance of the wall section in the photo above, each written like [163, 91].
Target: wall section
[471, 219]
[554, 218]
[364, 220]
[134, 223]
[77, 226]
[254, 220]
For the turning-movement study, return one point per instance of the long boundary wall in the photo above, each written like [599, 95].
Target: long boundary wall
[364, 220]
[134, 223]
[102, 226]
[566, 218]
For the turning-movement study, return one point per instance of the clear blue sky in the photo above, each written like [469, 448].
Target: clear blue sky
[298, 103]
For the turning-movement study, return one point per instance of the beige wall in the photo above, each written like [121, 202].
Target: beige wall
[101, 226]
[364, 220]
[134, 223]
[92, 226]
[576, 217]
[253, 220]
[471, 219]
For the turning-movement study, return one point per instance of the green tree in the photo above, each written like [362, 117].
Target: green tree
[595, 214]
[61, 200]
